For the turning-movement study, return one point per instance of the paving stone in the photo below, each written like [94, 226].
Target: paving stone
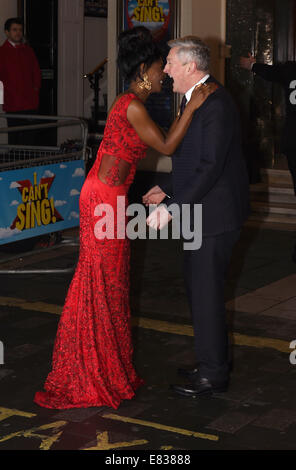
[263, 380]
[78, 415]
[132, 409]
[70, 441]
[5, 373]
[231, 422]
[260, 325]
[277, 366]
[279, 419]
[282, 310]
[284, 330]
[263, 276]
[257, 438]
[183, 359]
[3, 313]
[32, 323]
[20, 443]
[250, 303]
[22, 351]
[279, 393]
[255, 403]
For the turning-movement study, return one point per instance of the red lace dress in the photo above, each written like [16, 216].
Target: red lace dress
[92, 357]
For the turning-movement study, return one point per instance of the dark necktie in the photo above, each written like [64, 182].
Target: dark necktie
[183, 105]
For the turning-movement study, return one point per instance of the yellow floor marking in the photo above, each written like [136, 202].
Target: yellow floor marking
[46, 441]
[6, 413]
[104, 444]
[258, 342]
[157, 325]
[163, 326]
[160, 427]
[187, 330]
[36, 306]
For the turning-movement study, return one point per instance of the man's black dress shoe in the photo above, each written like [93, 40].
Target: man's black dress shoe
[189, 373]
[200, 386]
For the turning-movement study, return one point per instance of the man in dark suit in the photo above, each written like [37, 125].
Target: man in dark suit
[208, 169]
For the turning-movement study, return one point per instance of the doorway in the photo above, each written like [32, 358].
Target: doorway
[41, 32]
[266, 28]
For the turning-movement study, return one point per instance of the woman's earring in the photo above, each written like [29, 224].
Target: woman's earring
[145, 83]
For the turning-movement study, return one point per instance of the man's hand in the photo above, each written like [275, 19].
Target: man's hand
[159, 218]
[154, 196]
[247, 62]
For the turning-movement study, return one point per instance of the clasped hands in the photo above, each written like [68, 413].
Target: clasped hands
[160, 217]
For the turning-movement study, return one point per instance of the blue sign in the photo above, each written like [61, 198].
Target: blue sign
[40, 200]
[155, 15]
[158, 16]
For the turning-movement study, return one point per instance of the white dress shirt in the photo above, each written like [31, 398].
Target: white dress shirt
[189, 92]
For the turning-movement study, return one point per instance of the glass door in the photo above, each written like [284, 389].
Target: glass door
[40, 28]
[266, 28]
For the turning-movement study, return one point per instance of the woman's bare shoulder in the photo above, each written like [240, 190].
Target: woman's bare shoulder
[134, 101]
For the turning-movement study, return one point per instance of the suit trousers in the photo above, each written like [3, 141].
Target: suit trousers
[205, 275]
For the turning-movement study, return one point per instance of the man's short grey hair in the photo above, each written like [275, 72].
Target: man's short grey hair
[192, 49]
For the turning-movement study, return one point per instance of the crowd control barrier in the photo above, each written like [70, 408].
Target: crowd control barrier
[40, 185]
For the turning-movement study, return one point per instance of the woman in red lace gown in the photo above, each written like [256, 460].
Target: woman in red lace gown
[92, 357]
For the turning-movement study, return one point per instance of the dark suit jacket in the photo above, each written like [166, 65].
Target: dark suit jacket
[285, 74]
[208, 167]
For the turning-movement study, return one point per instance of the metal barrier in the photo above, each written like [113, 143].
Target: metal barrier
[20, 157]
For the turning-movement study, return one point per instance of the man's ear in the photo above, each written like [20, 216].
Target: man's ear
[191, 67]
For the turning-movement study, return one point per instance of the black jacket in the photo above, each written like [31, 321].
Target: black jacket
[208, 167]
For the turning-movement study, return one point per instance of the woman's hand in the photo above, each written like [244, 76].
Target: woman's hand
[200, 94]
[149, 132]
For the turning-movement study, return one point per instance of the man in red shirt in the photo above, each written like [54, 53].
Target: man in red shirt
[21, 77]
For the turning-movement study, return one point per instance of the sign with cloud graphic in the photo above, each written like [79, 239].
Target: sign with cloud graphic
[154, 14]
[160, 17]
[40, 200]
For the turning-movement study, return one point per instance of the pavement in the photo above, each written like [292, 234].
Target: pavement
[259, 410]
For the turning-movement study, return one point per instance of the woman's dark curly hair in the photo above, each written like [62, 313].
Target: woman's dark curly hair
[135, 47]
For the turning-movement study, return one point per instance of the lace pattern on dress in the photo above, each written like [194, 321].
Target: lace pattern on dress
[113, 170]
